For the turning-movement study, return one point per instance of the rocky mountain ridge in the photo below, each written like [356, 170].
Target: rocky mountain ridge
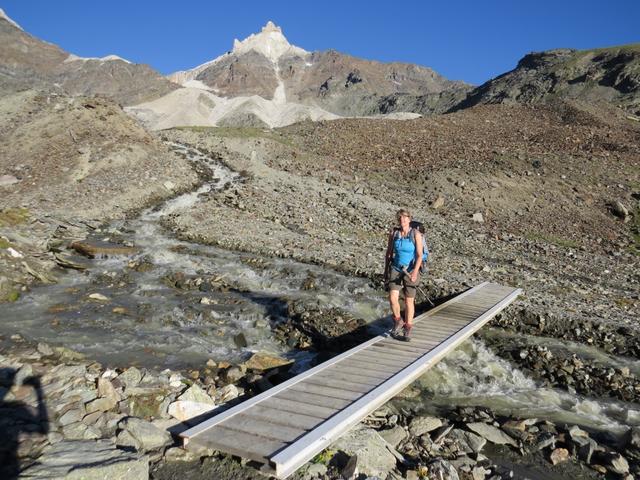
[29, 62]
[604, 75]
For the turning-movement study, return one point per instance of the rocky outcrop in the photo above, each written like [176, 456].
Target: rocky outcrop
[267, 65]
[28, 62]
[88, 460]
[609, 75]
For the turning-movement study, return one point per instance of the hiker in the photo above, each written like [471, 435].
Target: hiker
[402, 271]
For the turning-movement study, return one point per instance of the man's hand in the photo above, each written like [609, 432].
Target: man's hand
[413, 276]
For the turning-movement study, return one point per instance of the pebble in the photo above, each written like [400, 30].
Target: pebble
[559, 455]
[99, 297]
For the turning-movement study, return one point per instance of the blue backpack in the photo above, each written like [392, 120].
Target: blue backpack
[415, 225]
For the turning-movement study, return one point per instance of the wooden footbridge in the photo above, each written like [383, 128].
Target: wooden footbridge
[287, 425]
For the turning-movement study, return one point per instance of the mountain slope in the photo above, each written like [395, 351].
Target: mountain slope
[30, 62]
[266, 81]
[609, 75]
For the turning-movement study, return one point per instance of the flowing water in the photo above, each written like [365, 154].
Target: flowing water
[145, 320]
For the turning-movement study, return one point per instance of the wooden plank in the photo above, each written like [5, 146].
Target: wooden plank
[443, 320]
[283, 417]
[353, 373]
[293, 406]
[263, 428]
[351, 376]
[424, 345]
[325, 391]
[291, 457]
[238, 443]
[341, 384]
[437, 336]
[368, 367]
[435, 328]
[397, 352]
[404, 346]
[313, 399]
[376, 359]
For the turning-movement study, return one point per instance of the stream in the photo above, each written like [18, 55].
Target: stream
[176, 304]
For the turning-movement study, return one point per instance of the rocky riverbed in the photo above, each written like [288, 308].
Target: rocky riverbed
[549, 391]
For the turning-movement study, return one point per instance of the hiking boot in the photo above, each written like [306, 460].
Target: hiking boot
[397, 327]
[407, 333]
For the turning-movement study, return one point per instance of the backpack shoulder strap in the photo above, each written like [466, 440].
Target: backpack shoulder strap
[412, 235]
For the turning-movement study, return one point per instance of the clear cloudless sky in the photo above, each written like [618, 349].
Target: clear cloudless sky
[468, 40]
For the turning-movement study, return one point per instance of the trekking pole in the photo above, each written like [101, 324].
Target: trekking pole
[404, 270]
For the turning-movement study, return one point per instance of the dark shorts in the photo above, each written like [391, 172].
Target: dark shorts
[400, 281]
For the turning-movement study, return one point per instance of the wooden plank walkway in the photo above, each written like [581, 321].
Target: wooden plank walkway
[290, 423]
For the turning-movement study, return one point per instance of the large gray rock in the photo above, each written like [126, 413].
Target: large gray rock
[469, 442]
[88, 460]
[442, 470]
[146, 435]
[195, 394]
[374, 456]
[184, 410]
[393, 436]
[131, 377]
[421, 425]
[491, 433]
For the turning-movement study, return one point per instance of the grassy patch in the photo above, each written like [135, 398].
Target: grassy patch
[324, 457]
[13, 296]
[552, 239]
[4, 243]
[13, 216]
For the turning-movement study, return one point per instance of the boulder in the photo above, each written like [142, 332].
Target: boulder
[6, 180]
[491, 433]
[106, 390]
[477, 217]
[265, 361]
[469, 442]
[394, 436]
[374, 457]
[94, 249]
[442, 470]
[438, 202]
[195, 394]
[559, 455]
[421, 425]
[619, 210]
[146, 435]
[88, 460]
[618, 464]
[131, 377]
[101, 405]
[184, 410]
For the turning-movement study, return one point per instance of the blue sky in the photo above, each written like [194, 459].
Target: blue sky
[464, 40]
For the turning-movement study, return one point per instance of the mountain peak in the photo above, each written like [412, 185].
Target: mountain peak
[270, 42]
[270, 27]
[6, 17]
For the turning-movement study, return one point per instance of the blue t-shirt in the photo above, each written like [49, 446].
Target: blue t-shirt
[404, 251]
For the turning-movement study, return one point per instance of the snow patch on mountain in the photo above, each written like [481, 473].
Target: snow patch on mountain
[197, 107]
[6, 17]
[108, 58]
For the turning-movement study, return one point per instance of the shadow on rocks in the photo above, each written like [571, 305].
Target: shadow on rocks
[18, 418]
